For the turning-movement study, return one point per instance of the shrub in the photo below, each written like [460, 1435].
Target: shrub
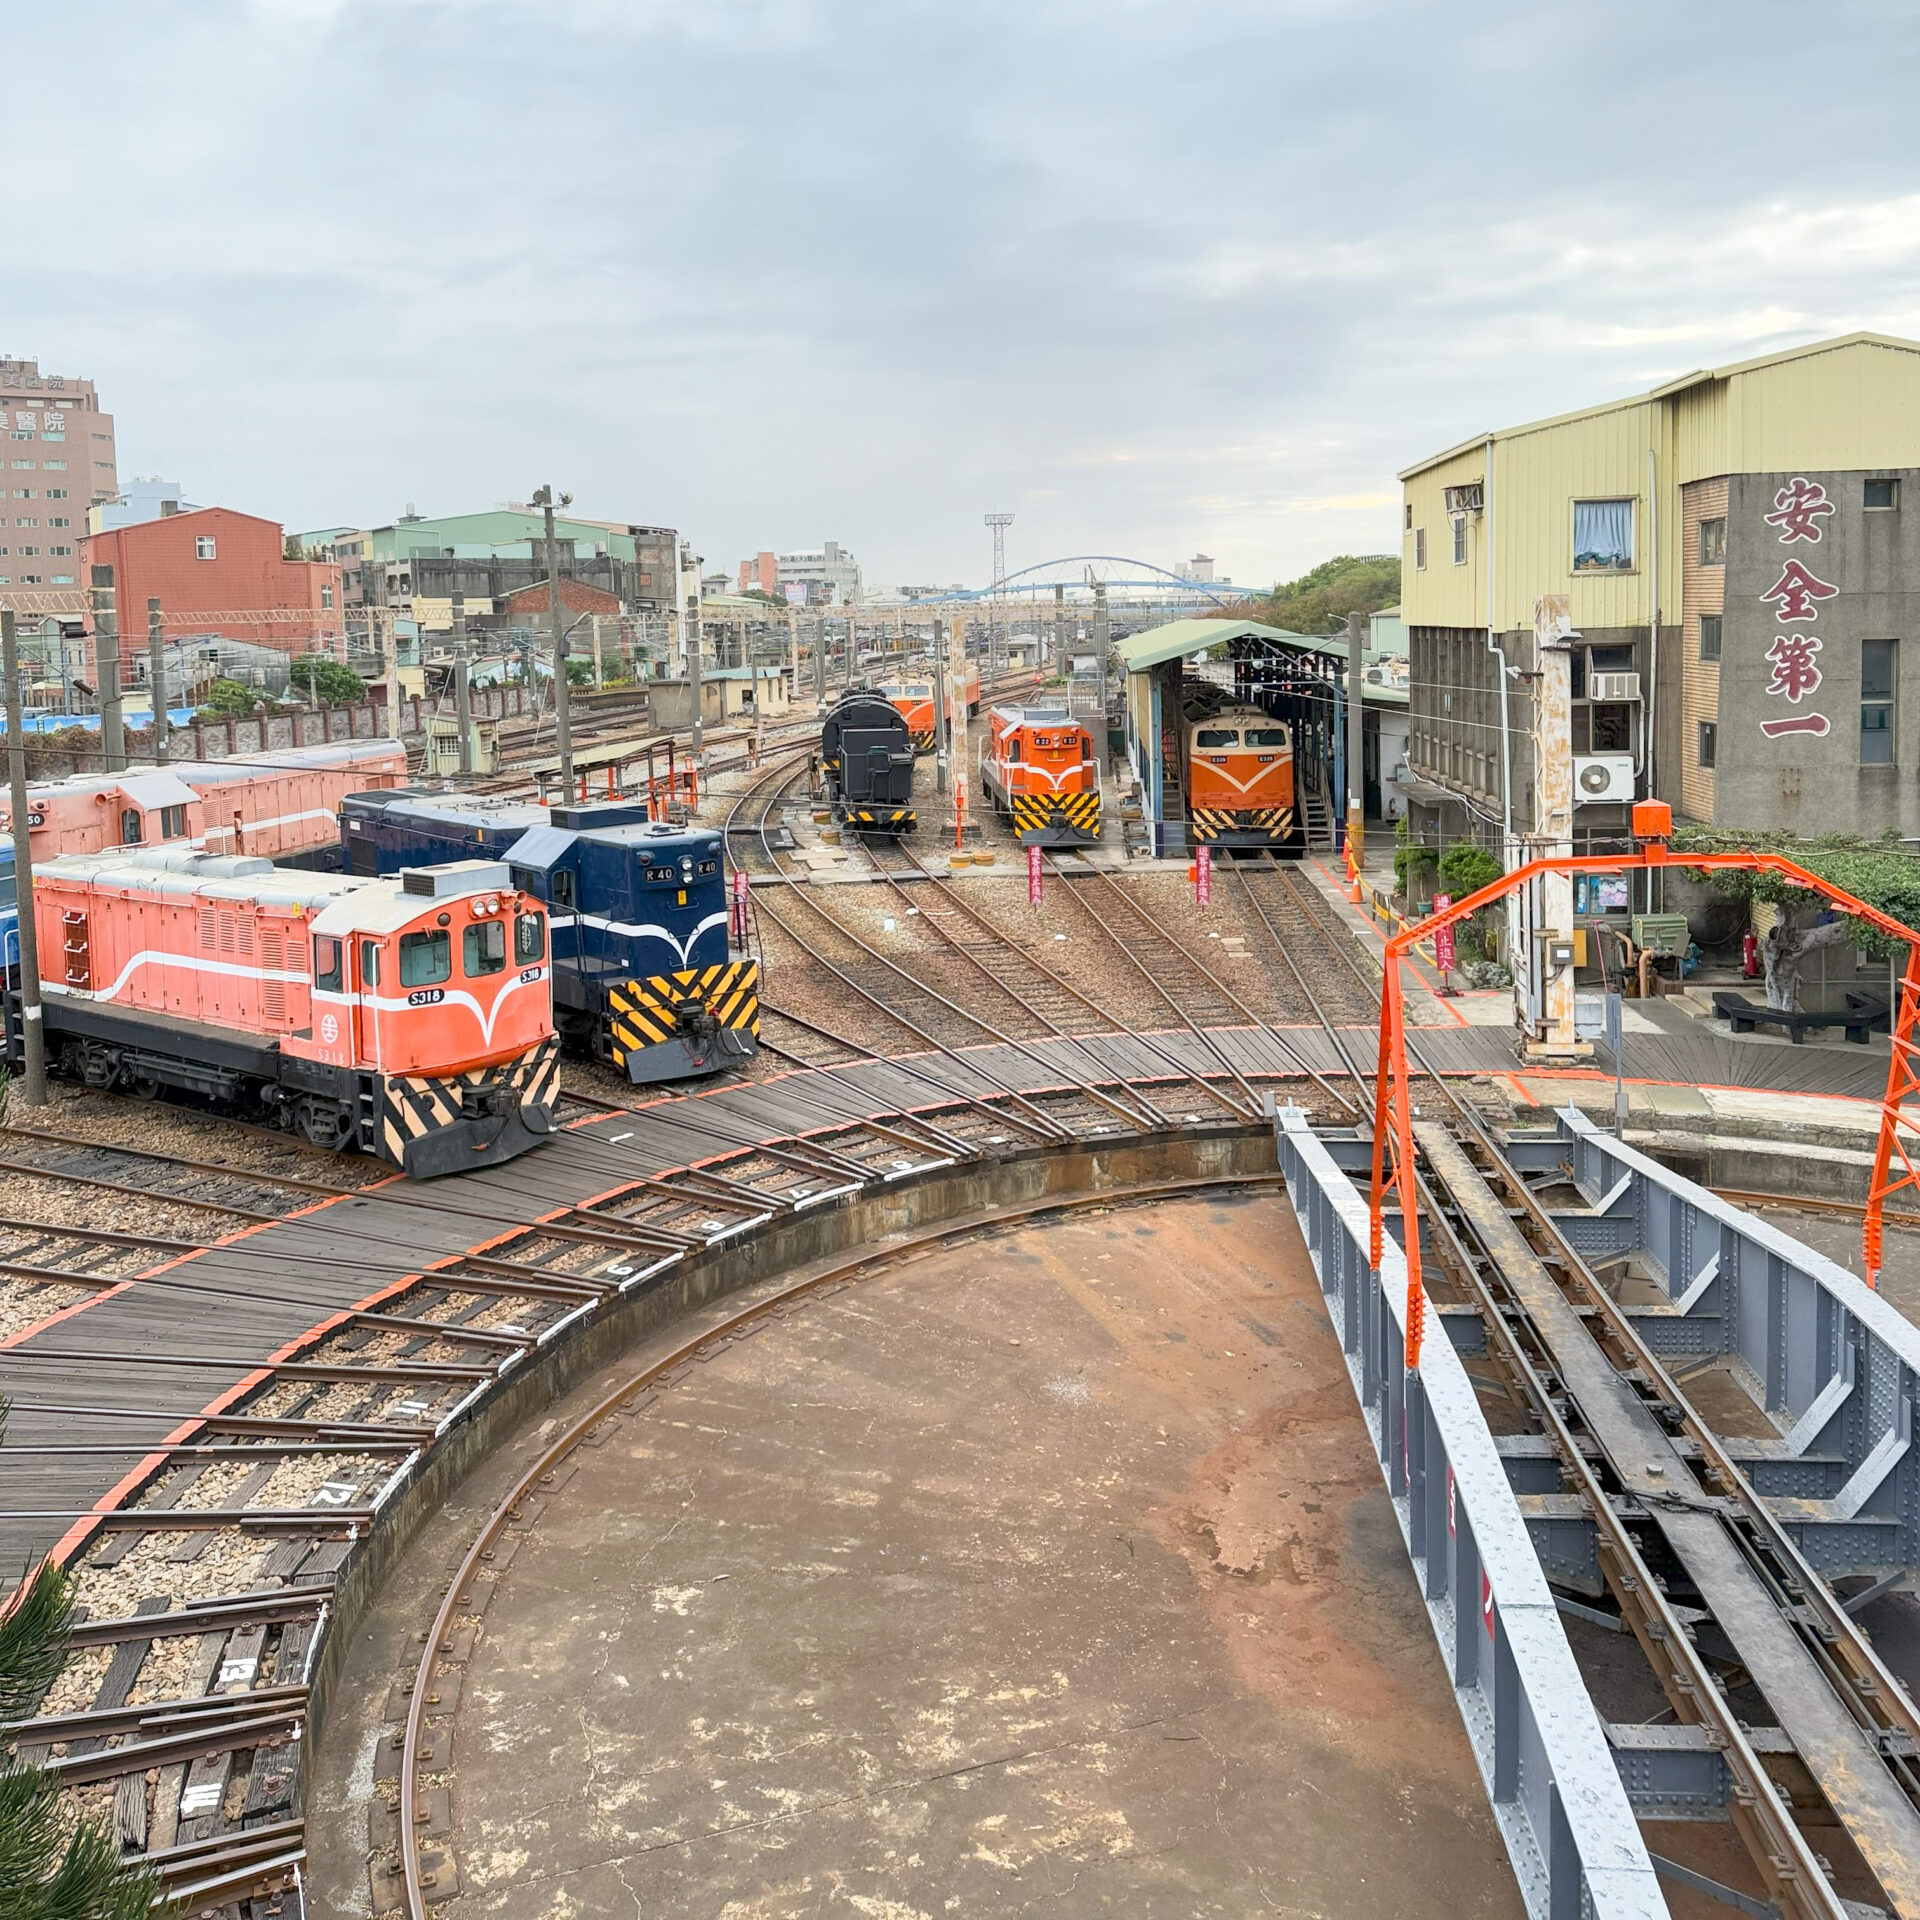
[327, 680]
[1466, 868]
[229, 700]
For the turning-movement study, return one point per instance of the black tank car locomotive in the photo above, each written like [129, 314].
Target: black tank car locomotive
[866, 759]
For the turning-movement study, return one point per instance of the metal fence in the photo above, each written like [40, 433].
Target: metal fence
[1542, 1750]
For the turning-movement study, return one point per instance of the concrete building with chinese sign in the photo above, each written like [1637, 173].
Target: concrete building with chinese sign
[1733, 562]
[59, 461]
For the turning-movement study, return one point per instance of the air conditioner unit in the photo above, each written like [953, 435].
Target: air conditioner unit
[1468, 499]
[1602, 776]
[1613, 686]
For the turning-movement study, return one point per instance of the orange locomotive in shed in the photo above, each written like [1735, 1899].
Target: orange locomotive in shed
[1037, 765]
[914, 698]
[1239, 776]
[408, 1017]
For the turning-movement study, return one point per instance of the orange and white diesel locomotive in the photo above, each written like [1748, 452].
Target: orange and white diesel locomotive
[914, 698]
[1239, 776]
[409, 1017]
[1037, 765]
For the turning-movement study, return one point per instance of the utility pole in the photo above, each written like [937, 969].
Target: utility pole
[462, 684]
[157, 680]
[696, 648]
[940, 728]
[393, 669]
[33, 1038]
[1551, 960]
[106, 659]
[562, 723]
[1060, 630]
[1356, 737]
[820, 666]
[1101, 633]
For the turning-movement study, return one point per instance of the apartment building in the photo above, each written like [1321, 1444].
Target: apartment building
[59, 460]
[487, 557]
[1736, 554]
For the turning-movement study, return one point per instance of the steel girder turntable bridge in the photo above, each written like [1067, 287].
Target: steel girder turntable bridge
[1704, 1451]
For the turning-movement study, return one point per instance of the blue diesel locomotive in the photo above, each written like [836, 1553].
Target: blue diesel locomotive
[643, 974]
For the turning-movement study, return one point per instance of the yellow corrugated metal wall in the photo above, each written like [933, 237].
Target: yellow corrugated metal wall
[1852, 405]
[1441, 594]
[1538, 476]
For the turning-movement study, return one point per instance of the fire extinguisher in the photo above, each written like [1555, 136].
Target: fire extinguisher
[1749, 955]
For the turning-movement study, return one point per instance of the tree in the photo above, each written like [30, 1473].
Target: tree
[229, 700]
[52, 1867]
[1879, 872]
[579, 672]
[327, 680]
[1320, 600]
[293, 550]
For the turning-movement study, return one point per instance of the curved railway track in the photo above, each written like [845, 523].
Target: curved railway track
[456, 1622]
[260, 1367]
[1696, 1683]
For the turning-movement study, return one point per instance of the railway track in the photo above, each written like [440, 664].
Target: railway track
[1716, 1592]
[458, 1620]
[227, 1353]
[207, 1575]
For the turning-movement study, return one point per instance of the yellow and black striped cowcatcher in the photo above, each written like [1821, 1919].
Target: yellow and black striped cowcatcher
[684, 1006]
[416, 1107]
[1256, 823]
[1057, 819]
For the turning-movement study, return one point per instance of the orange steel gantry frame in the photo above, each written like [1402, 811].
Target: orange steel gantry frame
[1894, 1164]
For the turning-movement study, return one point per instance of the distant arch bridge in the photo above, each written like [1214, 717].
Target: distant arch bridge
[1125, 580]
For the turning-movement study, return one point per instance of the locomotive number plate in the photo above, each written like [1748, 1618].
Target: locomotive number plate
[426, 996]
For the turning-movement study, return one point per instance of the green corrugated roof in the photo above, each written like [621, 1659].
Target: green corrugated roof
[1174, 642]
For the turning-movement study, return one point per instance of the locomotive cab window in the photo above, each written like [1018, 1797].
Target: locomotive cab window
[1217, 737]
[369, 963]
[1266, 736]
[130, 826]
[328, 971]
[562, 887]
[483, 948]
[173, 823]
[426, 957]
[1013, 749]
[529, 937]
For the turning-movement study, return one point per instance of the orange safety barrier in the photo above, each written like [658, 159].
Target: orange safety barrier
[1894, 1163]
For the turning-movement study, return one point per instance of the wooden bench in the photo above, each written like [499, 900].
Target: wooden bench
[1862, 1013]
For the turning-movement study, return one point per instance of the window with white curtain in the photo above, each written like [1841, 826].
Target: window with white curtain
[1603, 536]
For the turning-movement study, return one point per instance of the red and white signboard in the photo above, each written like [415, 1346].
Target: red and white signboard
[1799, 509]
[1203, 875]
[1443, 936]
[739, 907]
[1035, 874]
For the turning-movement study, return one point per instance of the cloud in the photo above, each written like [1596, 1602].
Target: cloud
[1172, 276]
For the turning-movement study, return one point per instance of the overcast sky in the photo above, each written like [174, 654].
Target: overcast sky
[1154, 278]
